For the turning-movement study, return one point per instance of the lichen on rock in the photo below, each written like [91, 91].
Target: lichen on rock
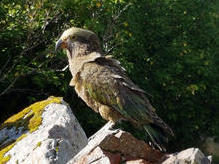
[16, 127]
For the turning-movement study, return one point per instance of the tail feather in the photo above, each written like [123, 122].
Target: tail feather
[156, 136]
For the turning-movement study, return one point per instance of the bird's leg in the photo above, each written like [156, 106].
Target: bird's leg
[109, 127]
[106, 129]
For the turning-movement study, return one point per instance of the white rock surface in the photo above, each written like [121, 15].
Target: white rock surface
[188, 156]
[57, 140]
[60, 137]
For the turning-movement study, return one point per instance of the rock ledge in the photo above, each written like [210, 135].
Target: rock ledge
[45, 132]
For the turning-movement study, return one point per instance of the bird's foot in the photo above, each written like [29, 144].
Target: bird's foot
[106, 129]
[109, 127]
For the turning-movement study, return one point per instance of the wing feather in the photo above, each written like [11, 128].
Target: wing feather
[110, 86]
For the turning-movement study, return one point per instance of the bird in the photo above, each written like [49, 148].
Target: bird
[102, 83]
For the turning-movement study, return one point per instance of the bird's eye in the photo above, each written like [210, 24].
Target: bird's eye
[73, 37]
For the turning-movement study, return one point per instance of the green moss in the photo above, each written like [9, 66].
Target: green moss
[32, 115]
[57, 147]
[30, 118]
[6, 149]
[39, 144]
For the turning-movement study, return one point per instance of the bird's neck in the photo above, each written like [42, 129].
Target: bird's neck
[80, 53]
[80, 49]
[79, 57]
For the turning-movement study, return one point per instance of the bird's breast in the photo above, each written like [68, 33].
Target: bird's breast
[84, 95]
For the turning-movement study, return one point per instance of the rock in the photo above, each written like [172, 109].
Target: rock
[191, 156]
[139, 161]
[48, 133]
[45, 132]
[115, 147]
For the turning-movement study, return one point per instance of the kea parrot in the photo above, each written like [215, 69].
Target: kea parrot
[103, 85]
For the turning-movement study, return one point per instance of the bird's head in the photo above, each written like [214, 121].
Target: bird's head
[78, 42]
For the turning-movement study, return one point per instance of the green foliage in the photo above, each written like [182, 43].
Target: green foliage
[169, 48]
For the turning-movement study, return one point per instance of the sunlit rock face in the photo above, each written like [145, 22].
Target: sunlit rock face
[109, 146]
[45, 132]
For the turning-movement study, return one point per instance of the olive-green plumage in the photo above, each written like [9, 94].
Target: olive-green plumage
[103, 84]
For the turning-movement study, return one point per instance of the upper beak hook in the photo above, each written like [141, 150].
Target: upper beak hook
[58, 44]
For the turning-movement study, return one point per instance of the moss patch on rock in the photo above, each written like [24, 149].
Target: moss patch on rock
[38, 145]
[30, 119]
[7, 148]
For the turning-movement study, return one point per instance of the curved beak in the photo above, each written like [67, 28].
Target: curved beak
[58, 44]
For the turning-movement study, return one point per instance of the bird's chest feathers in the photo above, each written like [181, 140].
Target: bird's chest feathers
[81, 69]
[83, 93]
[76, 63]
[88, 73]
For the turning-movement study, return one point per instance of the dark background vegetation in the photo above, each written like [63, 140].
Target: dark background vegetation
[168, 47]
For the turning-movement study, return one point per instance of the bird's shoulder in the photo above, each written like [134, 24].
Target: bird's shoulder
[106, 69]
